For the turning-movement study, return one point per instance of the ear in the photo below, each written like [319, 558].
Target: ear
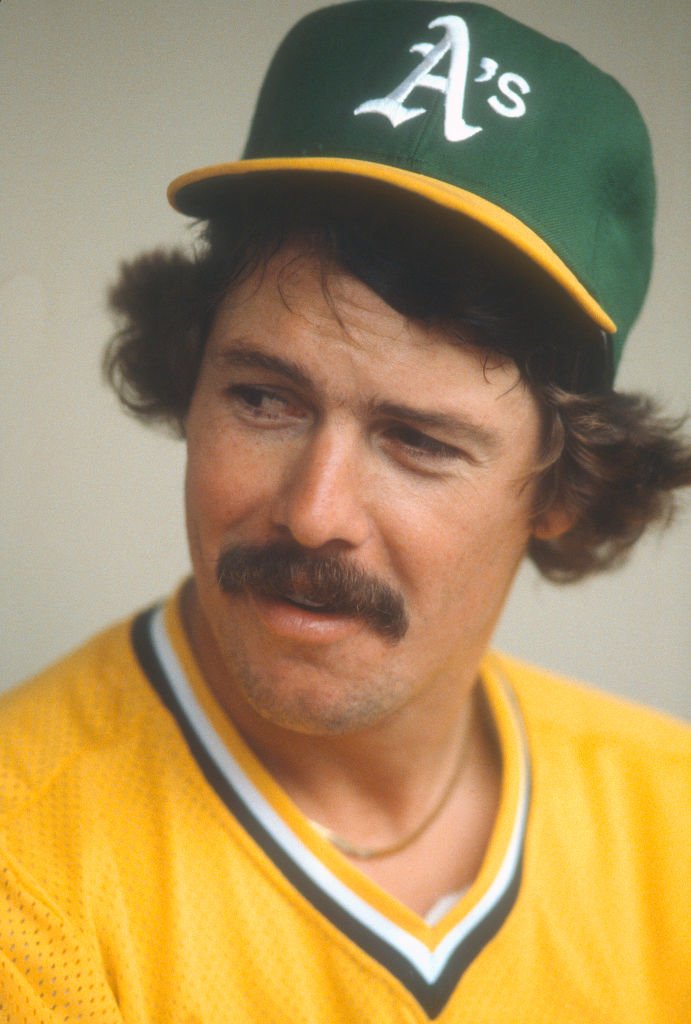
[553, 523]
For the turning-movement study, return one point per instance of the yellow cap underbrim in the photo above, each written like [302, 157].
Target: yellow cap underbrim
[442, 193]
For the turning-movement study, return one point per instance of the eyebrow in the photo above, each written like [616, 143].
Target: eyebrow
[252, 357]
[458, 427]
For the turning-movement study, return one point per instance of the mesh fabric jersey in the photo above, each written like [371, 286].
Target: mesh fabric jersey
[151, 870]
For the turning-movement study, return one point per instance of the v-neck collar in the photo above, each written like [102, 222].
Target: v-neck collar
[428, 960]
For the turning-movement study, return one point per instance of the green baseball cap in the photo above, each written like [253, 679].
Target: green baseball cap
[476, 113]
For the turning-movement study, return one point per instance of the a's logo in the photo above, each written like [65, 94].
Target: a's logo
[456, 42]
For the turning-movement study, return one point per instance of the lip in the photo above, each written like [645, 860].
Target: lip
[286, 620]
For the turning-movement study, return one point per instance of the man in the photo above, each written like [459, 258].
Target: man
[303, 790]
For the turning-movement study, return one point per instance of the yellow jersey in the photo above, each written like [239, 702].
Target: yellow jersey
[151, 870]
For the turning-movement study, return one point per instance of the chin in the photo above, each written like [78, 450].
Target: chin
[325, 708]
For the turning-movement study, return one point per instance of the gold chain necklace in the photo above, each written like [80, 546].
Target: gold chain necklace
[372, 852]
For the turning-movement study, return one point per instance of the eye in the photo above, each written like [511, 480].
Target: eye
[264, 404]
[422, 445]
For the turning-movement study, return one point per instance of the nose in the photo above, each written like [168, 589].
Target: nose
[321, 502]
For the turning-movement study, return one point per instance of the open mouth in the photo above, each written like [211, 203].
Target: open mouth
[341, 594]
[311, 606]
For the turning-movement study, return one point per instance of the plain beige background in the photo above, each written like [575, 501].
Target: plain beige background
[104, 101]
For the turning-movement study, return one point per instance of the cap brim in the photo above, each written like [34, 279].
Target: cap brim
[197, 192]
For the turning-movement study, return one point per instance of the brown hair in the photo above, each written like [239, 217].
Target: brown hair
[609, 459]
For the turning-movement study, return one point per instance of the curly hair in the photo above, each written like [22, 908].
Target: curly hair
[610, 460]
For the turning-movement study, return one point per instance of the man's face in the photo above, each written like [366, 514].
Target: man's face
[336, 429]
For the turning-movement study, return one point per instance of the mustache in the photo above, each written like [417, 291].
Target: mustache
[278, 570]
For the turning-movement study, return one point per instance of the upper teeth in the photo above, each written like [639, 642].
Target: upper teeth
[298, 599]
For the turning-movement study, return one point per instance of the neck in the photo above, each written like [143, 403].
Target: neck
[387, 776]
[437, 764]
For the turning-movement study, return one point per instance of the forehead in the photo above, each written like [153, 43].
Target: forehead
[426, 270]
[303, 278]
[300, 291]
[331, 331]
[307, 290]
